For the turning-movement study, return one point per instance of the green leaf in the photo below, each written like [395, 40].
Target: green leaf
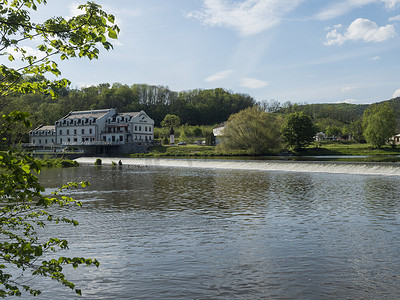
[112, 34]
[26, 168]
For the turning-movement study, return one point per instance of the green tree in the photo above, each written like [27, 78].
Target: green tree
[23, 204]
[333, 131]
[171, 121]
[298, 131]
[254, 130]
[379, 124]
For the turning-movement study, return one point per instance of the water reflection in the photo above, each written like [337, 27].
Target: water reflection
[185, 233]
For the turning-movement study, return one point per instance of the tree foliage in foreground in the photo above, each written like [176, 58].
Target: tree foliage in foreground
[23, 206]
[298, 131]
[22, 212]
[254, 130]
[379, 124]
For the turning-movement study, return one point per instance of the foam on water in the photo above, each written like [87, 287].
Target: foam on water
[387, 169]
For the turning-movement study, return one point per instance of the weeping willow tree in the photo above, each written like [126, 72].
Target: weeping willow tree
[253, 130]
[379, 124]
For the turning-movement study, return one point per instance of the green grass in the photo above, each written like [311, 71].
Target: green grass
[342, 148]
[188, 150]
[318, 149]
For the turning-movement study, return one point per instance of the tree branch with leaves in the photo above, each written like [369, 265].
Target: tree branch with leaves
[23, 205]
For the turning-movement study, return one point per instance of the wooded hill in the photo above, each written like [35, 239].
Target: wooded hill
[331, 114]
[194, 107]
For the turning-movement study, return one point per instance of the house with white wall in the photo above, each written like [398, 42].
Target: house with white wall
[102, 130]
[218, 132]
[43, 136]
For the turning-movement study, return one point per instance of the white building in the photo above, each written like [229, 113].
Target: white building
[103, 127]
[218, 132]
[43, 136]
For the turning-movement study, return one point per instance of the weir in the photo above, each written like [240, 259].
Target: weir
[385, 169]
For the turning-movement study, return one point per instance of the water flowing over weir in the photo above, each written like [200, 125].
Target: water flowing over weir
[386, 169]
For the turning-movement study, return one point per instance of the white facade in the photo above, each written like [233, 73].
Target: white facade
[43, 136]
[82, 127]
[218, 132]
[99, 127]
[128, 127]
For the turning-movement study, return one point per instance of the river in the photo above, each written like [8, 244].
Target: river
[200, 229]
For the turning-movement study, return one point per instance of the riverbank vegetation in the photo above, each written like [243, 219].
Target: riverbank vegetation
[48, 162]
[327, 148]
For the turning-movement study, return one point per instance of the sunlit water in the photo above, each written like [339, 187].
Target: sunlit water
[231, 230]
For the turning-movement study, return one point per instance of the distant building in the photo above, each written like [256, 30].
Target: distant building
[320, 136]
[395, 140]
[43, 136]
[102, 130]
[218, 133]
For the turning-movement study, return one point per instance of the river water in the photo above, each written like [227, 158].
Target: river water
[198, 229]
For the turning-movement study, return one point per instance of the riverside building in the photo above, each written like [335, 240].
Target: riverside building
[102, 131]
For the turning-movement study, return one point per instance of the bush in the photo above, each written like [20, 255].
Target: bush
[98, 162]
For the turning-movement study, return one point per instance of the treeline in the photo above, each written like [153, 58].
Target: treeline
[194, 107]
[335, 119]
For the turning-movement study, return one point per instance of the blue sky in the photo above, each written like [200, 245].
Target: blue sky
[313, 51]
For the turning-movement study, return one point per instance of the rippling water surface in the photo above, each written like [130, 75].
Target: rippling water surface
[213, 233]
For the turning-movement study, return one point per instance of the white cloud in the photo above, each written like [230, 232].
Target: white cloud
[219, 76]
[253, 83]
[73, 10]
[351, 101]
[391, 4]
[248, 17]
[348, 88]
[361, 29]
[395, 18]
[396, 94]
[341, 8]
[375, 58]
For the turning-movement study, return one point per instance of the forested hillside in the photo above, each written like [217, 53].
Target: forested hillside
[194, 107]
[329, 114]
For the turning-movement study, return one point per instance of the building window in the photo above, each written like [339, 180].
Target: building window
[135, 128]
[60, 141]
[74, 131]
[68, 140]
[145, 128]
[140, 128]
[60, 132]
[67, 131]
[121, 138]
[90, 130]
[83, 131]
[40, 141]
[75, 140]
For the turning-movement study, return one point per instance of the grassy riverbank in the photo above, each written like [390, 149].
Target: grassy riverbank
[343, 148]
[320, 149]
